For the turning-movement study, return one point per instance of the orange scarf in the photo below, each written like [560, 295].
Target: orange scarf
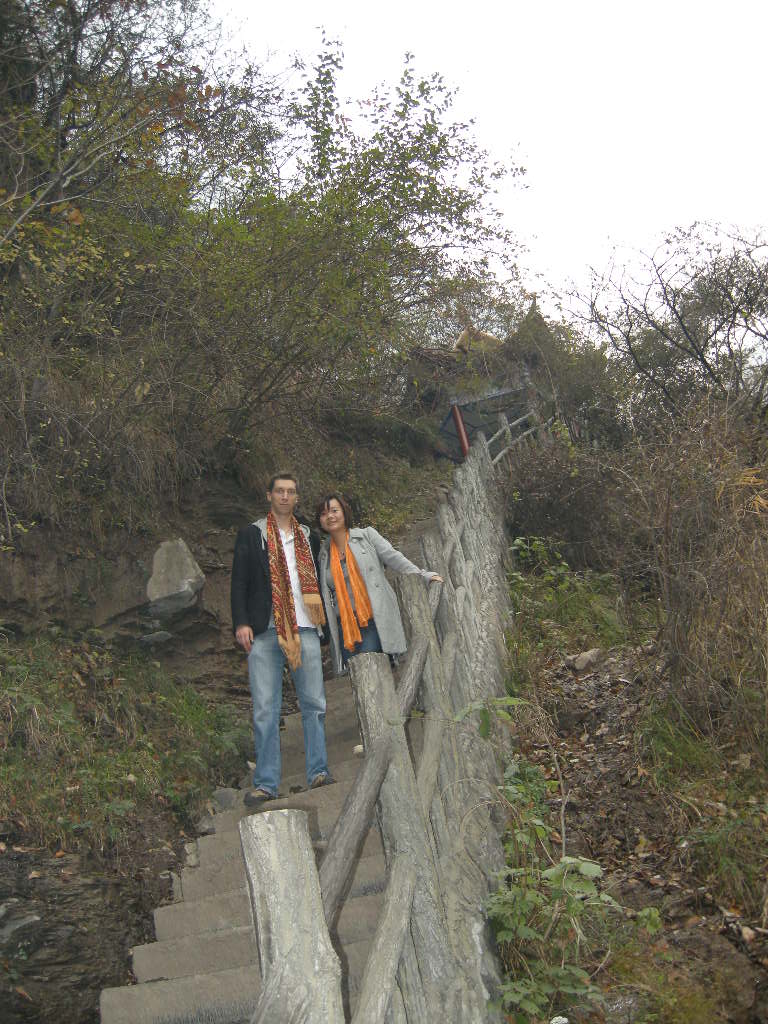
[350, 623]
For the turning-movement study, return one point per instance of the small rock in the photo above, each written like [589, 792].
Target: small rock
[153, 639]
[585, 661]
[225, 799]
[192, 855]
[205, 826]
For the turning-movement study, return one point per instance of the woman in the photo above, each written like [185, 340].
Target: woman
[363, 611]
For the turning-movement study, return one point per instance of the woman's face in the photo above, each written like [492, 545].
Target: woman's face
[332, 517]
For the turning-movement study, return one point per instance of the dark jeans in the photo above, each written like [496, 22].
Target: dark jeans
[369, 643]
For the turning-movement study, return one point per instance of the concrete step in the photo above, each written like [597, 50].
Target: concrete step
[342, 771]
[226, 948]
[222, 846]
[195, 954]
[225, 911]
[213, 913]
[336, 792]
[228, 873]
[322, 805]
[228, 997]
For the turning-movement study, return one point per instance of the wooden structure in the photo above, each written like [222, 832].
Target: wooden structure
[431, 779]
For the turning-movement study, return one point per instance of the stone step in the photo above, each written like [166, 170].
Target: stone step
[225, 948]
[225, 845]
[229, 910]
[224, 875]
[227, 997]
[195, 954]
[224, 910]
[342, 771]
[322, 805]
[305, 799]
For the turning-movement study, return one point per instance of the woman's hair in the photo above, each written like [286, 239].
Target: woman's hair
[345, 508]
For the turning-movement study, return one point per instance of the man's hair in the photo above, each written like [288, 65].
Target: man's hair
[349, 519]
[281, 476]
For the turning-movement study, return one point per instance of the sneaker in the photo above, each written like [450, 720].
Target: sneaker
[254, 798]
[322, 779]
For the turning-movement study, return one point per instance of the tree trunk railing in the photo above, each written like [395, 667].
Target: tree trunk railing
[432, 956]
[505, 431]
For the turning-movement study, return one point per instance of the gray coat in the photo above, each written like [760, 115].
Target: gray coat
[373, 554]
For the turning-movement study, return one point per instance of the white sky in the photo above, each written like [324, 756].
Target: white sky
[630, 116]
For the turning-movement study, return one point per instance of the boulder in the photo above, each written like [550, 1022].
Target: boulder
[175, 582]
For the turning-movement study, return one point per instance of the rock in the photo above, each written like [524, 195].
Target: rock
[152, 639]
[206, 826]
[585, 661]
[569, 717]
[192, 855]
[225, 799]
[13, 919]
[175, 581]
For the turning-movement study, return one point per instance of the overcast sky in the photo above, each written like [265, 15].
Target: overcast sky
[630, 116]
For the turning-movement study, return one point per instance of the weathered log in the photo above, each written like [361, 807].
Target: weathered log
[301, 975]
[356, 814]
[407, 833]
[454, 780]
[381, 969]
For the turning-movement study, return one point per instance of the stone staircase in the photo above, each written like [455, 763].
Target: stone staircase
[203, 966]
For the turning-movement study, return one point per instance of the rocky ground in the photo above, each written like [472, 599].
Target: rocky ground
[615, 816]
[67, 922]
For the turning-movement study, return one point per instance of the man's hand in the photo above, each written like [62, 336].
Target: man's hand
[244, 636]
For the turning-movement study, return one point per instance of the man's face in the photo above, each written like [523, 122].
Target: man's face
[283, 497]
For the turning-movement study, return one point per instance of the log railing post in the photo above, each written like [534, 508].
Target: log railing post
[430, 974]
[300, 972]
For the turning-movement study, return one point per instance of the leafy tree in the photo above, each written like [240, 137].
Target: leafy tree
[188, 250]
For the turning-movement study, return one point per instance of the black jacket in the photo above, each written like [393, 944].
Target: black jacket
[251, 585]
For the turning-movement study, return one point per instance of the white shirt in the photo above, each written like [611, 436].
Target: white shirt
[289, 547]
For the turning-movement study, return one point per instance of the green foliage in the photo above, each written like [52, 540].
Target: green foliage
[172, 292]
[547, 593]
[90, 739]
[724, 800]
[543, 908]
[668, 993]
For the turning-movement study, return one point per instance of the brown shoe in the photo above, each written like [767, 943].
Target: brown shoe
[254, 798]
[322, 779]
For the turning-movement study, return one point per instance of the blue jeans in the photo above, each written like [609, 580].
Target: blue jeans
[370, 643]
[265, 676]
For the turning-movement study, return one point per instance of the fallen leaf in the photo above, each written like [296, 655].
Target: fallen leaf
[23, 992]
[60, 853]
[34, 874]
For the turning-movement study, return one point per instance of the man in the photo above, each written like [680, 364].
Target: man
[276, 612]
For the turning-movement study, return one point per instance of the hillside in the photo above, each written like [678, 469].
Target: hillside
[208, 273]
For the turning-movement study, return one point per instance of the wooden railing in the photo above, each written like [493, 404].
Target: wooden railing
[504, 432]
[432, 958]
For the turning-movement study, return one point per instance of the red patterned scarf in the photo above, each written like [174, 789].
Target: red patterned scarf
[282, 595]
